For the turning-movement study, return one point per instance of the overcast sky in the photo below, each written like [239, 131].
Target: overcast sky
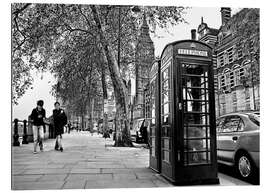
[41, 88]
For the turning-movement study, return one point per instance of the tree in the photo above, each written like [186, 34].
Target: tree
[79, 82]
[120, 89]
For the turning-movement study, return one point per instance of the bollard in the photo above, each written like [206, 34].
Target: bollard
[16, 135]
[24, 133]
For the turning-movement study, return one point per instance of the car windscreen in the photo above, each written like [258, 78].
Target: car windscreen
[255, 118]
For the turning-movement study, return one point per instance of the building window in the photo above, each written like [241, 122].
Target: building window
[220, 60]
[222, 82]
[230, 55]
[226, 58]
[227, 80]
[237, 77]
[251, 46]
[241, 72]
[239, 52]
[232, 83]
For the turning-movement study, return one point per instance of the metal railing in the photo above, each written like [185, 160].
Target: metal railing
[25, 134]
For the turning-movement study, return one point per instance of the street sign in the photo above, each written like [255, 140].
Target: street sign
[193, 52]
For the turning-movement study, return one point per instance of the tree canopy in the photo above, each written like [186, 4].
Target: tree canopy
[44, 35]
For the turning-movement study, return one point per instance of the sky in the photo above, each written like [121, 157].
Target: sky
[41, 90]
[42, 87]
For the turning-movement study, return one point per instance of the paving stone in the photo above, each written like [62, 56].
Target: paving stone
[94, 177]
[119, 183]
[47, 171]
[17, 171]
[141, 175]
[116, 170]
[19, 167]
[47, 166]
[74, 184]
[161, 183]
[84, 170]
[53, 177]
[143, 170]
[124, 176]
[105, 166]
[37, 185]
[25, 178]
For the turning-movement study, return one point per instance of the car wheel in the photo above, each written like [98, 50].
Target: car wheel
[245, 166]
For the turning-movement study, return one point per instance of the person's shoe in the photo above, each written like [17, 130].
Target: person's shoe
[41, 146]
[56, 146]
[34, 152]
[61, 149]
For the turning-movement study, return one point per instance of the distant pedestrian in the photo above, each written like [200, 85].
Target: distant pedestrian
[60, 120]
[38, 117]
[69, 126]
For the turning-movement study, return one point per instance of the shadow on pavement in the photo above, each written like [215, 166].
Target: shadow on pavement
[230, 170]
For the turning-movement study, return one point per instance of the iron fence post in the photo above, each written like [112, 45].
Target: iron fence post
[16, 135]
[25, 132]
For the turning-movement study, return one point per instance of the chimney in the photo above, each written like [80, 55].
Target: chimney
[225, 15]
[193, 34]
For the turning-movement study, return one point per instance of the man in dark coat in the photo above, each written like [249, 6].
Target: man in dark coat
[37, 117]
[59, 120]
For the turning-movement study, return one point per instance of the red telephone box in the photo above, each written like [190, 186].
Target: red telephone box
[185, 138]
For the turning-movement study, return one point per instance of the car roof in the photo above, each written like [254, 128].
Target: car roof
[242, 113]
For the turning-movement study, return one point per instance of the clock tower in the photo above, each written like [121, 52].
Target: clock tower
[144, 57]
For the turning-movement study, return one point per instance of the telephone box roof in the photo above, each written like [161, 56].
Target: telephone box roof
[182, 41]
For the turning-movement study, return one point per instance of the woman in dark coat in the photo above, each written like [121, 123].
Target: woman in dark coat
[59, 120]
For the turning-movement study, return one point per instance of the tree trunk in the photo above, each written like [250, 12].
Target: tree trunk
[91, 114]
[82, 116]
[105, 100]
[120, 90]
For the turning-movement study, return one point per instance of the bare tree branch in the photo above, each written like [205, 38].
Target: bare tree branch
[85, 17]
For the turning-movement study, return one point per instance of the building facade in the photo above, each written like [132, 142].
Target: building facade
[144, 57]
[237, 64]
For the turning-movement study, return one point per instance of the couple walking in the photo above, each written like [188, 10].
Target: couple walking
[38, 116]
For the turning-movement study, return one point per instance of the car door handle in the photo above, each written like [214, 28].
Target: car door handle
[234, 138]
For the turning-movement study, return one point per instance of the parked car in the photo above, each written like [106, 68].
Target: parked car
[139, 131]
[238, 142]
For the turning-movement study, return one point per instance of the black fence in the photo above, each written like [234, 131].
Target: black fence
[23, 128]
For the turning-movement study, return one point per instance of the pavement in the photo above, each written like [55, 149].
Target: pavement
[87, 162]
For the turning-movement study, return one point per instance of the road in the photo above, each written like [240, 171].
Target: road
[87, 162]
